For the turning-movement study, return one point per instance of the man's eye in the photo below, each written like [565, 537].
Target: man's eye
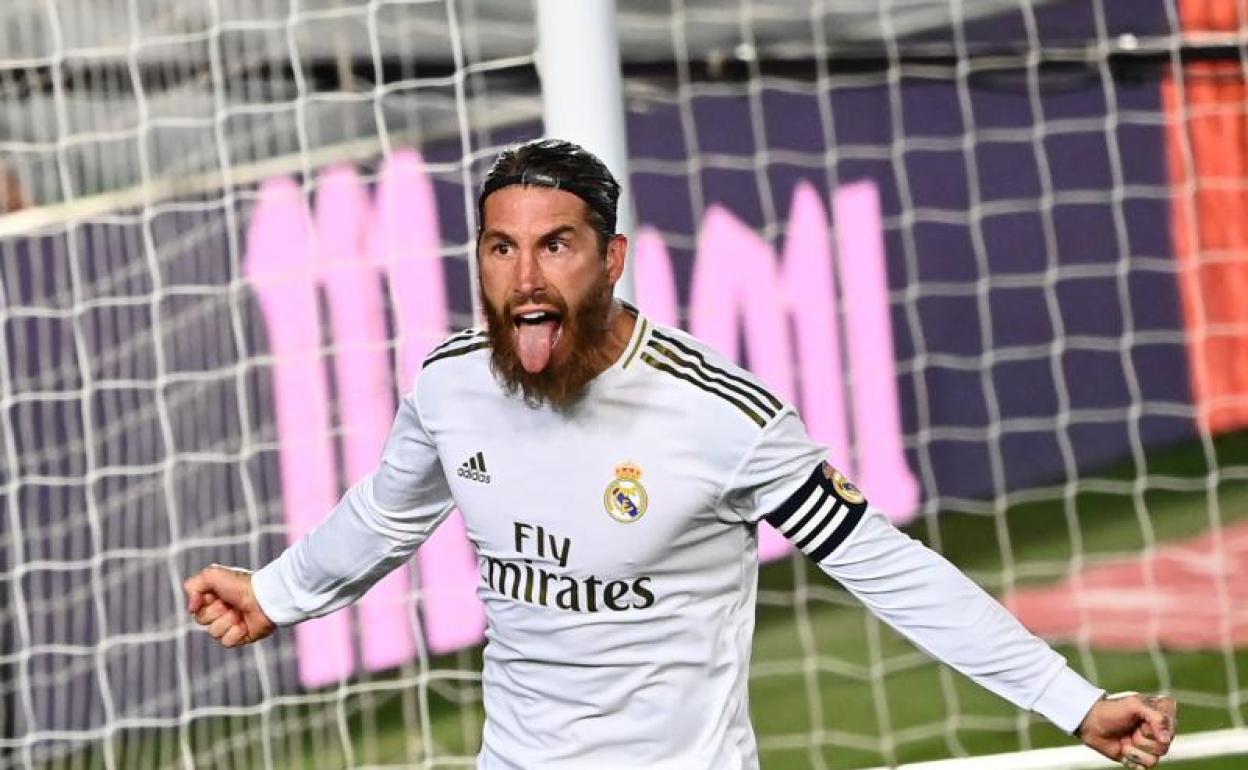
[554, 247]
[502, 249]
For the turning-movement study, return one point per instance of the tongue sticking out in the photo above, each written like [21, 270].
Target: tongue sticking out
[536, 341]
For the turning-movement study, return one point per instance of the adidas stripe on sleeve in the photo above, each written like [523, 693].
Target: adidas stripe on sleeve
[668, 354]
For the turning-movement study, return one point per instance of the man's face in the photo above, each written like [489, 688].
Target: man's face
[547, 289]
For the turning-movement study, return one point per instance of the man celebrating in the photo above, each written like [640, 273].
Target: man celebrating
[611, 474]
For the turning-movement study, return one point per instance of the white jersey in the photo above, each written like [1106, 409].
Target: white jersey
[617, 552]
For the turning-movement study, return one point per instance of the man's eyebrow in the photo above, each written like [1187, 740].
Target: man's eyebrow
[496, 234]
[560, 230]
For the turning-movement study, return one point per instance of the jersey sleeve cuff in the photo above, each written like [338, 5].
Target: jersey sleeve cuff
[1067, 700]
[274, 599]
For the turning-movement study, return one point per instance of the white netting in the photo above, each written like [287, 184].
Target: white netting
[1020, 262]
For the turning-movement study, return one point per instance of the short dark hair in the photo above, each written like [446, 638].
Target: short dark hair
[561, 165]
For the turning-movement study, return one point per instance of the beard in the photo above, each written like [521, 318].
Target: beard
[585, 329]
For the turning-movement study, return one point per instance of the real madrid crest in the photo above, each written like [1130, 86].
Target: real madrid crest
[626, 499]
[843, 486]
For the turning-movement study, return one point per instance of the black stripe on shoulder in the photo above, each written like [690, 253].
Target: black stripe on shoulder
[758, 389]
[452, 353]
[460, 336]
[718, 382]
[664, 367]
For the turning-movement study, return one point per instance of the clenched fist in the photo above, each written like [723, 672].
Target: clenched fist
[1134, 729]
[221, 599]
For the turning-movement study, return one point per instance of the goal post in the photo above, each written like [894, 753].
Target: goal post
[582, 94]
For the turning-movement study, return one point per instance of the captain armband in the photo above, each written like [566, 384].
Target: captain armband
[821, 513]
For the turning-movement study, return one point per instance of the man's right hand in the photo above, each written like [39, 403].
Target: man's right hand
[221, 599]
[1133, 729]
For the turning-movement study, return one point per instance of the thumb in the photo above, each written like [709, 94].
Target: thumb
[1158, 716]
[195, 587]
[230, 584]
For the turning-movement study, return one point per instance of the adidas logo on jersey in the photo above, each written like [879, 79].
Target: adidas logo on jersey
[473, 469]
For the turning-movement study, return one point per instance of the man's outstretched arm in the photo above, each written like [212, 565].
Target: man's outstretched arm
[932, 603]
[786, 481]
[376, 526]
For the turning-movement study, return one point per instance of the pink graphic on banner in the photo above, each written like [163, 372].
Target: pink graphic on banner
[366, 402]
[407, 241]
[810, 300]
[652, 278]
[405, 237]
[280, 266]
[741, 290]
[737, 293]
[352, 246]
[881, 466]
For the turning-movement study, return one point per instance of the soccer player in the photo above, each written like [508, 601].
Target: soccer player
[611, 473]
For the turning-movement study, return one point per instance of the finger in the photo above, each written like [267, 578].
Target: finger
[1148, 745]
[211, 612]
[1170, 708]
[1158, 716]
[236, 634]
[222, 624]
[1137, 760]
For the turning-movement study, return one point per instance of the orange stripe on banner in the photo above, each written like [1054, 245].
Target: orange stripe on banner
[1207, 147]
[1209, 15]
[1167, 597]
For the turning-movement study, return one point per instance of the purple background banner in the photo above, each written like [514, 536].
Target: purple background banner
[1076, 262]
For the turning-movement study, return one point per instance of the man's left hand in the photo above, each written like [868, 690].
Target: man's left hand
[1133, 729]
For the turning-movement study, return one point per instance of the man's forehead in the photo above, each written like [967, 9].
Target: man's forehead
[531, 206]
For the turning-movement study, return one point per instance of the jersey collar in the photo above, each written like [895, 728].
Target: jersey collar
[632, 351]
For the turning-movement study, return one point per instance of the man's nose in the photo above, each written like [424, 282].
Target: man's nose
[530, 279]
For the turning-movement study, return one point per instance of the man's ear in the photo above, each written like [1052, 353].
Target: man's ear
[617, 253]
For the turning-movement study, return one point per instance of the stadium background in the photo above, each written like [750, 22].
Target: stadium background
[1059, 186]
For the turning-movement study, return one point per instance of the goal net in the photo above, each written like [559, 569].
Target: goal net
[993, 251]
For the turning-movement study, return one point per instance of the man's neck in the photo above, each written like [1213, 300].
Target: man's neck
[621, 324]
